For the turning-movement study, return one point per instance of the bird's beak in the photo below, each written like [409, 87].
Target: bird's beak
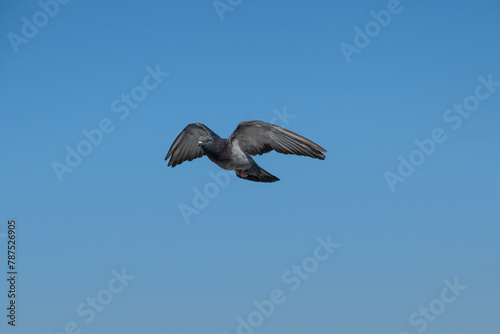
[199, 143]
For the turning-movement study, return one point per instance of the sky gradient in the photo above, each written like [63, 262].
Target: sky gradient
[395, 232]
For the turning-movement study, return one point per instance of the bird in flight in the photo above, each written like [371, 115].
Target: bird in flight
[235, 153]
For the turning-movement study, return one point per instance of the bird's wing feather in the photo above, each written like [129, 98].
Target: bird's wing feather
[258, 137]
[185, 146]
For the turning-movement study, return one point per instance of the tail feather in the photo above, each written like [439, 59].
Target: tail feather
[257, 174]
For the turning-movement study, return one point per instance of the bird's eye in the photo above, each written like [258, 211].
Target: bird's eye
[206, 141]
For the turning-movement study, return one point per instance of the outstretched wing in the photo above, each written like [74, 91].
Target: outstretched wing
[257, 137]
[185, 146]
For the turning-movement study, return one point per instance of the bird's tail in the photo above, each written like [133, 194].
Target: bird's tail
[257, 174]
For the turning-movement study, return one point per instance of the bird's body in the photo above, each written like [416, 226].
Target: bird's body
[235, 153]
[239, 160]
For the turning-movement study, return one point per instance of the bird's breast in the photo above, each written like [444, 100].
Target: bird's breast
[239, 159]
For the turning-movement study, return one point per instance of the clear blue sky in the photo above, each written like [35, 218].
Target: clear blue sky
[371, 92]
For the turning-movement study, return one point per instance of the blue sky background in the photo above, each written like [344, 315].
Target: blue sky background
[119, 208]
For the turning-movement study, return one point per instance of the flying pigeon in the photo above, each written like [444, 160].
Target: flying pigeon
[235, 153]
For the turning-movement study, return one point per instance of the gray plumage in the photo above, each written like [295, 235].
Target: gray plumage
[235, 153]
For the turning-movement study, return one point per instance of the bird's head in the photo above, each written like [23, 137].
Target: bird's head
[205, 141]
